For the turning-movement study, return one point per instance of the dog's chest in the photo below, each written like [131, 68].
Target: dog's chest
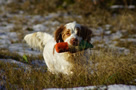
[81, 57]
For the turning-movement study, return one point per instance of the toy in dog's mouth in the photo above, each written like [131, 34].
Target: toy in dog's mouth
[64, 47]
[74, 42]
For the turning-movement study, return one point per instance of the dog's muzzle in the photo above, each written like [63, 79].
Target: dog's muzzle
[74, 41]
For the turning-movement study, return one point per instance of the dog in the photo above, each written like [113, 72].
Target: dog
[72, 33]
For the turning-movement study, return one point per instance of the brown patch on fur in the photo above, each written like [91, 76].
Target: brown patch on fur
[84, 32]
[79, 60]
[34, 34]
[65, 34]
[53, 49]
[58, 34]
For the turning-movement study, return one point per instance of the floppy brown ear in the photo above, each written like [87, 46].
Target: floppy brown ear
[58, 35]
[86, 33]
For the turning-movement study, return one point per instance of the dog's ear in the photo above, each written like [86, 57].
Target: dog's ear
[86, 33]
[58, 34]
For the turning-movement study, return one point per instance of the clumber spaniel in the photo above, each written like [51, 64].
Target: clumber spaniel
[64, 62]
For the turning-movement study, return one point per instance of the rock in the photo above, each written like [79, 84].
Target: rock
[100, 45]
[20, 64]
[36, 18]
[4, 40]
[10, 26]
[114, 42]
[55, 23]
[19, 48]
[12, 36]
[116, 35]
[38, 62]
[107, 32]
[96, 38]
[39, 27]
[122, 6]
[2, 87]
[3, 80]
[1, 3]
[52, 15]
[106, 39]
[107, 27]
[39, 65]
[131, 40]
[133, 36]
[98, 31]
[99, 87]
[120, 50]
[123, 50]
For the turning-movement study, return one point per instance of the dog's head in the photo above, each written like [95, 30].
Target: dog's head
[73, 34]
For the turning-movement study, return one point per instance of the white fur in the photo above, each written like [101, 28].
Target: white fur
[61, 62]
[72, 27]
[37, 40]
[73, 36]
[56, 62]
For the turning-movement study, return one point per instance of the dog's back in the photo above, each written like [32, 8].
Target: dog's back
[37, 40]
[55, 62]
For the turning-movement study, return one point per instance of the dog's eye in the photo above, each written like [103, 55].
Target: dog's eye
[68, 34]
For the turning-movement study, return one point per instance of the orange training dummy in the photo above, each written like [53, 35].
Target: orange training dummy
[64, 47]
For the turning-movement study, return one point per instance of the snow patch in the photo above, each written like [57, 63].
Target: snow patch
[109, 87]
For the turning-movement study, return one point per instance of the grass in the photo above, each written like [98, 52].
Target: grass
[108, 67]
[126, 44]
[6, 54]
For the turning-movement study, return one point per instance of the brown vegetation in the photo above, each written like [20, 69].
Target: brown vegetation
[107, 67]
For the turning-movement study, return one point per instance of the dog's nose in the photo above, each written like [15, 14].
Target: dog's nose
[74, 41]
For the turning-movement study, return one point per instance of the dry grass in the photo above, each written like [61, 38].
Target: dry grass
[108, 67]
[124, 21]
[85, 7]
[6, 54]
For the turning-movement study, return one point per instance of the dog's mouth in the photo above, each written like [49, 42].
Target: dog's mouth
[74, 42]
[73, 48]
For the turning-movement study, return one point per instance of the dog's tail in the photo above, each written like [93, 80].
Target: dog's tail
[37, 40]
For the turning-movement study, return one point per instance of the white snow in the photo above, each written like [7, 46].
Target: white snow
[39, 27]
[109, 87]
[122, 6]
[121, 87]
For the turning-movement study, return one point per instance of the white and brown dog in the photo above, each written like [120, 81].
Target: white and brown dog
[72, 33]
